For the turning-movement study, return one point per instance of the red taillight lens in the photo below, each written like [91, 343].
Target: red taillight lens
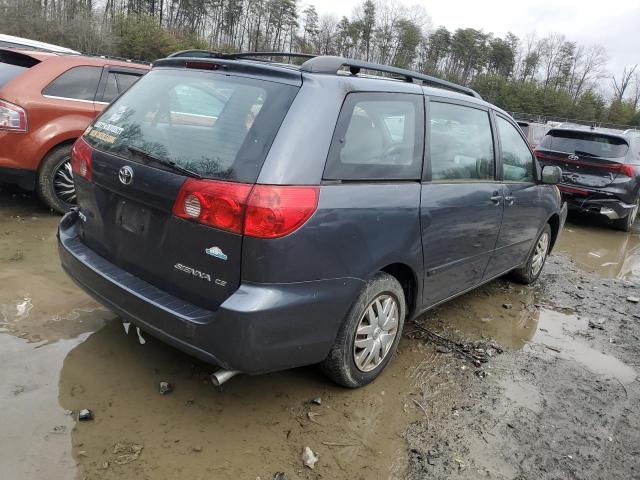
[12, 117]
[275, 211]
[627, 170]
[262, 211]
[218, 204]
[81, 158]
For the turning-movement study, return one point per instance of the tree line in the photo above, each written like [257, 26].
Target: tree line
[551, 75]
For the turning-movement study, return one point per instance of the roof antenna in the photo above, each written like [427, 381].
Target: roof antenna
[354, 70]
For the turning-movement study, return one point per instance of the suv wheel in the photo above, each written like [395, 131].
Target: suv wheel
[55, 180]
[625, 224]
[530, 272]
[369, 335]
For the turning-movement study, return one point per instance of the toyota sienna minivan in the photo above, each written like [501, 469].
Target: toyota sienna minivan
[262, 216]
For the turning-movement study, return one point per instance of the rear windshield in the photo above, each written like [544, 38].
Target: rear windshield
[13, 64]
[585, 143]
[217, 125]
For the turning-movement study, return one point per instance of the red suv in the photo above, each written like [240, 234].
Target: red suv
[47, 100]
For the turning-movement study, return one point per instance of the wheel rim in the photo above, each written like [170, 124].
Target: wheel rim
[376, 332]
[540, 254]
[63, 185]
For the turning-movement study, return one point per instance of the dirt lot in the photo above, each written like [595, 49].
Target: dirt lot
[562, 400]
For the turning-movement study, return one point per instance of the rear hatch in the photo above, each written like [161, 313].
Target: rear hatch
[173, 128]
[12, 64]
[587, 159]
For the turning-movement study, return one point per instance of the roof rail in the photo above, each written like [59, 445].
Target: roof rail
[331, 64]
[112, 57]
[242, 55]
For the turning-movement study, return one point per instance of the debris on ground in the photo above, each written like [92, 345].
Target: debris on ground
[317, 401]
[309, 459]
[279, 476]
[507, 306]
[126, 452]
[197, 448]
[633, 299]
[85, 415]
[140, 339]
[165, 387]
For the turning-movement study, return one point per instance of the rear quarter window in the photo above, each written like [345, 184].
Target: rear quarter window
[379, 136]
[13, 64]
[78, 83]
[220, 126]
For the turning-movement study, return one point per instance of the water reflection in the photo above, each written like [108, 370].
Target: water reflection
[595, 247]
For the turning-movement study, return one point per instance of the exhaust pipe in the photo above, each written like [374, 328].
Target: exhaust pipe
[221, 376]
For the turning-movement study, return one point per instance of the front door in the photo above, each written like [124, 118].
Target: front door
[522, 210]
[461, 200]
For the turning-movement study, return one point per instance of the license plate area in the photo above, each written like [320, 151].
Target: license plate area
[132, 218]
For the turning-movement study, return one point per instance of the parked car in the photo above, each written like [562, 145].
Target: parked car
[533, 132]
[601, 170]
[216, 213]
[9, 41]
[47, 100]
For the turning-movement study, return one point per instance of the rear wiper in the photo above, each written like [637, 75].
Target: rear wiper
[167, 163]
[580, 152]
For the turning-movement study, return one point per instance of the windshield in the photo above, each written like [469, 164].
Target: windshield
[216, 125]
[585, 143]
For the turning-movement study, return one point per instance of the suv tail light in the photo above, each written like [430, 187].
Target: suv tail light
[262, 211]
[12, 117]
[214, 203]
[622, 168]
[81, 158]
[275, 211]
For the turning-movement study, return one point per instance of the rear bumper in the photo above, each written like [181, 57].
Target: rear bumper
[260, 328]
[611, 208]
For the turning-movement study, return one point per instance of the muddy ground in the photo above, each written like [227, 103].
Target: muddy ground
[560, 402]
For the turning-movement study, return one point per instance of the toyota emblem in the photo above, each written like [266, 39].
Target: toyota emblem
[125, 175]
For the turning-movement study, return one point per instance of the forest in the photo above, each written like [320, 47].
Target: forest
[551, 76]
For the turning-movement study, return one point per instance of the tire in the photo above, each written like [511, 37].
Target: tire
[55, 180]
[626, 224]
[531, 270]
[347, 363]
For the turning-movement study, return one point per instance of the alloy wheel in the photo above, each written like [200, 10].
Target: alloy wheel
[540, 254]
[376, 332]
[63, 185]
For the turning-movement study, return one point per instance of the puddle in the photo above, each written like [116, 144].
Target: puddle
[37, 299]
[255, 426]
[36, 431]
[595, 247]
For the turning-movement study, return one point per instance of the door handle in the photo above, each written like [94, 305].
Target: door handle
[509, 199]
[496, 197]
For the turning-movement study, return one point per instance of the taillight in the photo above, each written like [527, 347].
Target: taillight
[12, 117]
[81, 158]
[211, 202]
[627, 170]
[275, 211]
[262, 211]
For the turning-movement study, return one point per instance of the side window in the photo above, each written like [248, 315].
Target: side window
[461, 143]
[111, 88]
[379, 136]
[125, 80]
[79, 83]
[517, 161]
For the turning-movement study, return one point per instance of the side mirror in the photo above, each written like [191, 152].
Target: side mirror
[551, 174]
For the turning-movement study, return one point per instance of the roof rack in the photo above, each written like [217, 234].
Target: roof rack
[331, 64]
[234, 56]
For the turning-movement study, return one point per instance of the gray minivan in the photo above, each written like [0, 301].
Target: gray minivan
[263, 216]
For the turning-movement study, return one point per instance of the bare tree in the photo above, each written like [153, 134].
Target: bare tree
[621, 87]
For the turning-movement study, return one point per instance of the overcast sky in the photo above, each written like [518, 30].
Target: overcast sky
[614, 24]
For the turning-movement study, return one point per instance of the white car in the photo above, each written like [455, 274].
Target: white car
[24, 43]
